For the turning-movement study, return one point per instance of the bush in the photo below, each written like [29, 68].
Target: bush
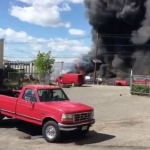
[13, 85]
[140, 89]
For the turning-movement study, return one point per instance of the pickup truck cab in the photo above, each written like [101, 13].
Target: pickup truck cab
[48, 107]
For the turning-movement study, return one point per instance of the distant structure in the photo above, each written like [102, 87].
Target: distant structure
[28, 66]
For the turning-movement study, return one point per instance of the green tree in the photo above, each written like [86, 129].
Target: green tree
[43, 63]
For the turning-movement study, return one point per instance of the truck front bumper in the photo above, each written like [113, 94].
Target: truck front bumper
[72, 127]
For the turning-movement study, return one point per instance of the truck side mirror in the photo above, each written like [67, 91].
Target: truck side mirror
[32, 103]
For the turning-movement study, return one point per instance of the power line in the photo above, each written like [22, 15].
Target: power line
[21, 51]
[122, 35]
[35, 57]
[115, 45]
[77, 38]
[145, 57]
[87, 54]
[49, 41]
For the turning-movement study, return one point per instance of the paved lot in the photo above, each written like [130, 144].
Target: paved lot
[122, 123]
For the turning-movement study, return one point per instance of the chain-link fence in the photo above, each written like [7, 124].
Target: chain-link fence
[20, 79]
[140, 84]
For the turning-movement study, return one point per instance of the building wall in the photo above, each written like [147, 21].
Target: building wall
[28, 66]
[1, 53]
[1, 61]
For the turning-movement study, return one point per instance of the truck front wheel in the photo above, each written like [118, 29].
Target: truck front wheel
[51, 132]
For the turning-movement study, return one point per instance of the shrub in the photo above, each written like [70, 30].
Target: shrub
[13, 85]
[140, 89]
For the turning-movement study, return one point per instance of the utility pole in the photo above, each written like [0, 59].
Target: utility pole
[62, 65]
[96, 57]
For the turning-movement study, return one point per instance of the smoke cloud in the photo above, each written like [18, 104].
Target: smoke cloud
[124, 32]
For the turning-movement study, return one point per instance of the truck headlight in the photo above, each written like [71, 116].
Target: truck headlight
[67, 117]
[92, 114]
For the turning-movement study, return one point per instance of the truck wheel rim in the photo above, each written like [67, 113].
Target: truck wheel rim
[50, 132]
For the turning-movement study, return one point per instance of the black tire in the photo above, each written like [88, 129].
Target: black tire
[1, 118]
[57, 136]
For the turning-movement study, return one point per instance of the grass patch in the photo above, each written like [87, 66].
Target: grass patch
[143, 90]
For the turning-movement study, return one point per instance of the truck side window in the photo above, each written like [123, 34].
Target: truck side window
[29, 94]
[58, 93]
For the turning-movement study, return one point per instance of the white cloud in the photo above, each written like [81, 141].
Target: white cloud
[45, 13]
[76, 32]
[29, 45]
[69, 45]
[77, 1]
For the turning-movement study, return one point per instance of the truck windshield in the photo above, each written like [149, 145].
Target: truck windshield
[48, 95]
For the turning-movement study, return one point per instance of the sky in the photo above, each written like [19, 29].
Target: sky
[59, 26]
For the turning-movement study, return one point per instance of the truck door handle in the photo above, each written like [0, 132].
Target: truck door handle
[20, 102]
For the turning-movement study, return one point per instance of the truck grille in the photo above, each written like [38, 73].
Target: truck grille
[82, 116]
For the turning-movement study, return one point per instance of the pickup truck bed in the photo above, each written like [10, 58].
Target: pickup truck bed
[8, 102]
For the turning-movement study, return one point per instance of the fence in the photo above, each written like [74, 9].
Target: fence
[19, 79]
[140, 84]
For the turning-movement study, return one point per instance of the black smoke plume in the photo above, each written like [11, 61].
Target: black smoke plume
[124, 31]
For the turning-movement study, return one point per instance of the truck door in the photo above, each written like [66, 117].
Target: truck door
[27, 107]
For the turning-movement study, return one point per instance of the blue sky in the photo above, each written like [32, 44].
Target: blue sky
[59, 26]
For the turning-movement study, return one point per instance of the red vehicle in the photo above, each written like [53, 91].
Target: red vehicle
[141, 81]
[48, 107]
[121, 82]
[73, 79]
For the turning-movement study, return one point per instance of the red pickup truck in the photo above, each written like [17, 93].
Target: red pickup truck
[48, 107]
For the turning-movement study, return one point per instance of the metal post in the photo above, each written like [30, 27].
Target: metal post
[96, 58]
[62, 66]
[148, 85]
[131, 77]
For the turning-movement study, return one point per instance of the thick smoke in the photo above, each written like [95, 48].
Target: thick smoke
[124, 32]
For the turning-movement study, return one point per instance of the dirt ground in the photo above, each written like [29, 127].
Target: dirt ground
[122, 122]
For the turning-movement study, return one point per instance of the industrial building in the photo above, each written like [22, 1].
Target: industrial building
[28, 66]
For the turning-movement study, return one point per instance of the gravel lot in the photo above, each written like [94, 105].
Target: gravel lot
[122, 122]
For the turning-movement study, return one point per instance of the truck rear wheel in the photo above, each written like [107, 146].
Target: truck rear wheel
[1, 118]
[51, 132]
